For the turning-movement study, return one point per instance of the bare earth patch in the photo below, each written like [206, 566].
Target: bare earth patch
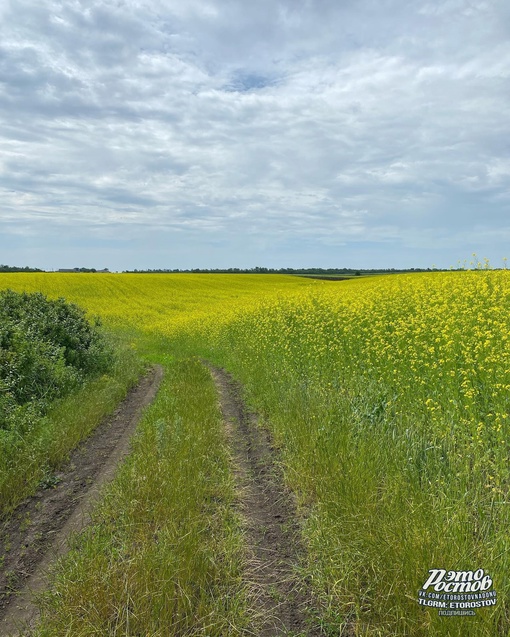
[282, 597]
[36, 534]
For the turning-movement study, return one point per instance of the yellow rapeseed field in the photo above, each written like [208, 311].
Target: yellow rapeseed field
[162, 303]
[438, 341]
[389, 398]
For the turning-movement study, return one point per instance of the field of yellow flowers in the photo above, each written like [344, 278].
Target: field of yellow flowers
[389, 399]
[162, 304]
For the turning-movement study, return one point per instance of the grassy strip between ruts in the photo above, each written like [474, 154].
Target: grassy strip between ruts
[163, 554]
[43, 448]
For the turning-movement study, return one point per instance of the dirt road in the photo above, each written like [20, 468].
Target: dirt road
[37, 534]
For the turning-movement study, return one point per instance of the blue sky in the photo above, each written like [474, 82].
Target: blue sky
[277, 133]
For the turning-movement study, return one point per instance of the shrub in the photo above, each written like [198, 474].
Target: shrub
[47, 349]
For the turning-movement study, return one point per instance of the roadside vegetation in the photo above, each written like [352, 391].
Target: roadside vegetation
[388, 400]
[59, 375]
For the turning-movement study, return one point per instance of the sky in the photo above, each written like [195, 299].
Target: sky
[276, 133]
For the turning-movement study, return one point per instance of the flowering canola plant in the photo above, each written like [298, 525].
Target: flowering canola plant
[438, 342]
[165, 304]
[389, 397]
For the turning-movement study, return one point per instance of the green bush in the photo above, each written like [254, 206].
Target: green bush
[47, 349]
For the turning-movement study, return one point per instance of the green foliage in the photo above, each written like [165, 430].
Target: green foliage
[47, 349]
[13, 268]
[34, 445]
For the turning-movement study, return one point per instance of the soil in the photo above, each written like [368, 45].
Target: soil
[36, 533]
[282, 597]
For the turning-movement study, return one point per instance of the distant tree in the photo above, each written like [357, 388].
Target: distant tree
[12, 268]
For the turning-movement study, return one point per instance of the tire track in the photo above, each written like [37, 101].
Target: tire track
[28, 553]
[282, 600]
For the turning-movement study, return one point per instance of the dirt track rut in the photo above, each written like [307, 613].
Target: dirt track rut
[37, 532]
[282, 599]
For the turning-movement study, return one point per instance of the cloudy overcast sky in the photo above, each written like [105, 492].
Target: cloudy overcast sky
[236, 133]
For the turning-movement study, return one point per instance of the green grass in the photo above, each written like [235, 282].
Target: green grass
[163, 555]
[28, 459]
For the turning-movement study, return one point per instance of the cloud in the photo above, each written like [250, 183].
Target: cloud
[293, 122]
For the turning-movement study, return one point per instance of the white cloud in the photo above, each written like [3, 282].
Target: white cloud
[289, 121]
